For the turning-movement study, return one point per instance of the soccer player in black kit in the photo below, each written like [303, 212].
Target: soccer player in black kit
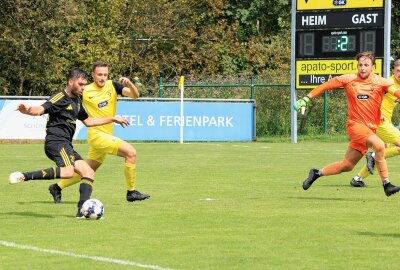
[63, 109]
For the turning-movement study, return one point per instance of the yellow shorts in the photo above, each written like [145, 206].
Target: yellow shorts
[102, 144]
[388, 133]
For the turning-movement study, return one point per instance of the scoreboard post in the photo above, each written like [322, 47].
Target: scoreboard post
[326, 36]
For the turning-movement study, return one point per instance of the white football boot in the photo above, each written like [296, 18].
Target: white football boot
[16, 177]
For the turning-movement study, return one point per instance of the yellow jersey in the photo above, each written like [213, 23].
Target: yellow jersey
[389, 103]
[101, 102]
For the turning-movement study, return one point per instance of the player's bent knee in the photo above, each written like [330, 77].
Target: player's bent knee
[347, 166]
[128, 152]
[67, 172]
[131, 155]
[84, 169]
[88, 172]
[379, 149]
[378, 146]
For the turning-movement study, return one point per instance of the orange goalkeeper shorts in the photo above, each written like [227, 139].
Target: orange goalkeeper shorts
[359, 134]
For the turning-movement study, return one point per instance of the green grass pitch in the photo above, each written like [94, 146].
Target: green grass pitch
[212, 206]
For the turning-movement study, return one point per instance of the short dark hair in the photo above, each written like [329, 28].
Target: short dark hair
[76, 73]
[367, 54]
[396, 63]
[99, 64]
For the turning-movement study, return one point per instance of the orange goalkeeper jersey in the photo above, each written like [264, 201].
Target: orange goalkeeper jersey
[364, 96]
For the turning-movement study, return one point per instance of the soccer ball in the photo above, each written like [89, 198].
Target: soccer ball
[92, 209]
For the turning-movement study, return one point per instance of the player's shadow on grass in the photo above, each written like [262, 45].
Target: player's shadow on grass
[374, 234]
[326, 199]
[337, 185]
[45, 202]
[33, 214]
[28, 214]
[344, 186]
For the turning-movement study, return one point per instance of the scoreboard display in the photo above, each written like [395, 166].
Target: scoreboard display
[328, 30]
[326, 37]
[336, 44]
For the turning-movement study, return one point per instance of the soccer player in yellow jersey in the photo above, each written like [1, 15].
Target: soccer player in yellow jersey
[386, 131]
[100, 100]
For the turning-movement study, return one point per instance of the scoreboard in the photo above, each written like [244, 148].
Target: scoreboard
[327, 35]
[329, 30]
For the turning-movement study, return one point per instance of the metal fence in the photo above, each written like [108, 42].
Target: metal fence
[251, 88]
[252, 85]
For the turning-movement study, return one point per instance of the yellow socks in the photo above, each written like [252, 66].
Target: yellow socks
[130, 175]
[129, 172]
[363, 173]
[63, 183]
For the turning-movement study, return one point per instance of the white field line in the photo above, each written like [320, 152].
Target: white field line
[70, 254]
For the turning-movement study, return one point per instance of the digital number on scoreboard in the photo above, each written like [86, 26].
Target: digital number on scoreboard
[338, 43]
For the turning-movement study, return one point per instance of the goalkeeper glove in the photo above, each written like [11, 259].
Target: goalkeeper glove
[303, 102]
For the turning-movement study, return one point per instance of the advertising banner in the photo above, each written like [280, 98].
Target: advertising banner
[154, 121]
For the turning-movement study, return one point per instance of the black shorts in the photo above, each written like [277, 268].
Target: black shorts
[61, 152]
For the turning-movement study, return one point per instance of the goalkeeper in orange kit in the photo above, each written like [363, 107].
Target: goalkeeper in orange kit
[386, 131]
[364, 92]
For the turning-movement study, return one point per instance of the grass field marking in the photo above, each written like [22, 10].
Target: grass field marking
[94, 258]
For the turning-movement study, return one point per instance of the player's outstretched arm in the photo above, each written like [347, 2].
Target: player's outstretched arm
[333, 83]
[32, 110]
[91, 122]
[130, 89]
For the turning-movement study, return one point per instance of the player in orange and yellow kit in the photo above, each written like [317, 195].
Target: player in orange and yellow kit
[364, 92]
[386, 131]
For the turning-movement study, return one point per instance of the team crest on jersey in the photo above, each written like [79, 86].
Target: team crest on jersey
[102, 104]
[362, 97]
